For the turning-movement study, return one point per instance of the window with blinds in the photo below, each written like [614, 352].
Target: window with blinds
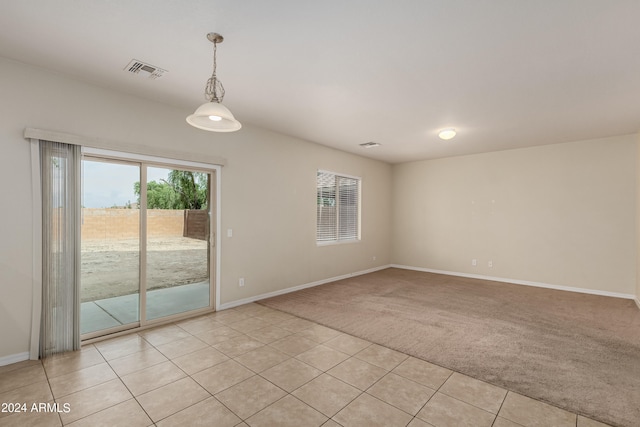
[338, 207]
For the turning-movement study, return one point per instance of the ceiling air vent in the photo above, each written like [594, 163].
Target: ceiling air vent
[370, 144]
[145, 70]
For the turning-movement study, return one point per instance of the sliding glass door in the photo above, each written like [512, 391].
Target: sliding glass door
[146, 249]
[110, 246]
[177, 241]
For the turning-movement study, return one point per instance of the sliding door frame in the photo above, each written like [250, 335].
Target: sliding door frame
[144, 161]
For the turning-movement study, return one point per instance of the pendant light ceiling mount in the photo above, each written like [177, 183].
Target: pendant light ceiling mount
[212, 115]
[215, 38]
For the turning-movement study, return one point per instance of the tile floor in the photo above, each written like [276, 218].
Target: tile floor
[254, 366]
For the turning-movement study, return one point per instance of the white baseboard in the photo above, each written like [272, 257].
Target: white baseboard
[14, 358]
[297, 288]
[521, 282]
[427, 270]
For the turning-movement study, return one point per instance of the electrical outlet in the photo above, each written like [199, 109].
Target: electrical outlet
[241, 281]
[374, 257]
[490, 264]
[474, 262]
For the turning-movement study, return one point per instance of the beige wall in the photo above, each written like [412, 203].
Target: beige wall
[561, 214]
[268, 189]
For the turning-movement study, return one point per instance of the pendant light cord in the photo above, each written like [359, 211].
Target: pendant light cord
[214, 92]
[215, 62]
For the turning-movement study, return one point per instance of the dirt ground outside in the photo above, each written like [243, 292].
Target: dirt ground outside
[110, 268]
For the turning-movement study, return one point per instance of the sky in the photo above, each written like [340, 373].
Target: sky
[111, 184]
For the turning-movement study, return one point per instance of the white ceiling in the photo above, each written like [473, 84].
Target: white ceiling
[505, 73]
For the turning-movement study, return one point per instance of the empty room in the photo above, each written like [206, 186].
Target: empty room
[356, 213]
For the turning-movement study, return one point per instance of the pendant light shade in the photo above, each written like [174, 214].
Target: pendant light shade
[215, 117]
[212, 115]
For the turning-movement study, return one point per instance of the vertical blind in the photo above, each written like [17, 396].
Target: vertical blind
[60, 186]
[338, 204]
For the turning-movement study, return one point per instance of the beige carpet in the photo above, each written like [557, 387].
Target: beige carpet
[576, 351]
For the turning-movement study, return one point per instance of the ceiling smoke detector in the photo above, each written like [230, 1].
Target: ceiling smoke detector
[370, 144]
[143, 69]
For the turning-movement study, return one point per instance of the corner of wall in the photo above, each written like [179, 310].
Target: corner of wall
[638, 220]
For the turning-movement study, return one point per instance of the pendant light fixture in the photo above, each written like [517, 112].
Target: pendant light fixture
[212, 115]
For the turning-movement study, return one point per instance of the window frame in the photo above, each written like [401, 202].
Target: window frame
[358, 217]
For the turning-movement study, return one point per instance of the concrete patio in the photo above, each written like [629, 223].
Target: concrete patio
[122, 310]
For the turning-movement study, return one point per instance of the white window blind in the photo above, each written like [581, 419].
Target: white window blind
[338, 207]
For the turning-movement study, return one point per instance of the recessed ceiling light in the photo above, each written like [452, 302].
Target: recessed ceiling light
[370, 144]
[447, 133]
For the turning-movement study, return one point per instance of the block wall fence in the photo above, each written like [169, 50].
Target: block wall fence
[114, 224]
